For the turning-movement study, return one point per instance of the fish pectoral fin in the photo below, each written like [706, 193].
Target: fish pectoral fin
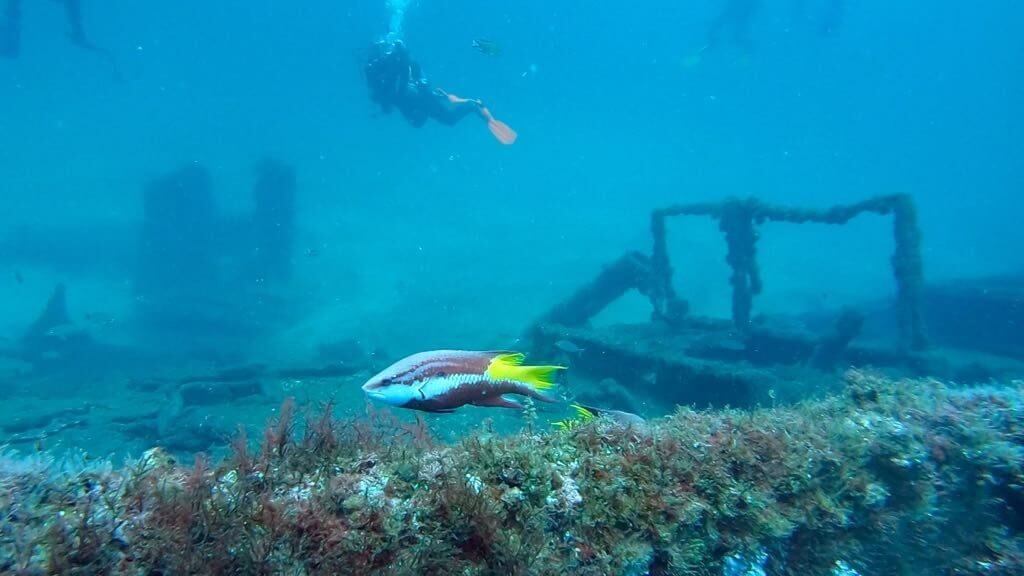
[498, 402]
[419, 389]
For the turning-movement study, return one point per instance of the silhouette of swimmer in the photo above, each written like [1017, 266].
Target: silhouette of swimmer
[831, 16]
[736, 15]
[396, 82]
[10, 29]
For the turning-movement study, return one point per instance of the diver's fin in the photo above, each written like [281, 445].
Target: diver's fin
[54, 314]
[509, 367]
[499, 129]
[499, 402]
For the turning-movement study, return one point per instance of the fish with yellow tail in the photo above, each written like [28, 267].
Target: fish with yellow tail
[443, 380]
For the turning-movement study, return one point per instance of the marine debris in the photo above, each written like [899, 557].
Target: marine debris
[273, 221]
[55, 345]
[681, 357]
[200, 270]
[978, 313]
[53, 316]
[737, 219]
[178, 247]
[906, 477]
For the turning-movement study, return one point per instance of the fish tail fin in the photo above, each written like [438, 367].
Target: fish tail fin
[584, 413]
[510, 367]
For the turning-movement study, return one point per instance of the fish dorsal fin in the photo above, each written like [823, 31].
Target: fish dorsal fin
[53, 315]
[512, 358]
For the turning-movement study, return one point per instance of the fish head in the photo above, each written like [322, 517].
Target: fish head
[399, 383]
[404, 381]
[389, 390]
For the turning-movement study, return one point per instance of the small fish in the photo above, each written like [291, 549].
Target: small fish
[586, 414]
[18, 277]
[100, 318]
[620, 417]
[569, 347]
[487, 46]
[583, 415]
[443, 380]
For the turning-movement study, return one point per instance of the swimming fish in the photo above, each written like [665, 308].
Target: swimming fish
[620, 417]
[569, 347]
[487, 46]
[586, 414]
[443, 380]
[583, 415]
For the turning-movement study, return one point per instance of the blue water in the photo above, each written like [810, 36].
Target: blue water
[409, 239]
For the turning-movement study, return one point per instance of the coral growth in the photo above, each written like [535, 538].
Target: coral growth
[890, 477]
[737, 219]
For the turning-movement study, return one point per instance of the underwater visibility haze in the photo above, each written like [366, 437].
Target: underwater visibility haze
[725, 287]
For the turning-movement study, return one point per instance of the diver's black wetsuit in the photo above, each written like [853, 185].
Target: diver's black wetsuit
[395, 81]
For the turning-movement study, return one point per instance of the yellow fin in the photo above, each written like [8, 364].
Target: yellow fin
[509, 367]
[584, 414]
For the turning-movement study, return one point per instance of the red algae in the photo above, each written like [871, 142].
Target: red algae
[889, 477]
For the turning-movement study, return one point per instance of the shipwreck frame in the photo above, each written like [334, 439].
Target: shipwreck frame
[732, 358]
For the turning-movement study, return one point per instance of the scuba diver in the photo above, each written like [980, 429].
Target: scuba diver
[735, 15]
[831, 16]
[396, 82]
[10, 29]
[832, 19]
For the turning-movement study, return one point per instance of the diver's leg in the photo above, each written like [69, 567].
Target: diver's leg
[716, 26]
[832, 19]
[10, 29]
[451, 114]
[73, 12]
[744, 10]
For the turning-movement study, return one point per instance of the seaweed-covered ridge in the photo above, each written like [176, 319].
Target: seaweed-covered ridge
[888, 478]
